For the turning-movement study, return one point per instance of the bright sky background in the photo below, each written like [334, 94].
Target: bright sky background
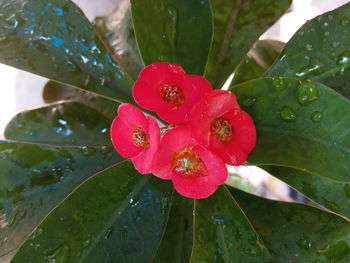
[21, 90]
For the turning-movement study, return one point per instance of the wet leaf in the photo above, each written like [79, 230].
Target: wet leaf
[223, 233]
[300, 124]
[55, 40]
[238, 24]
[116, 215]
[259, 59]
[117, 29]
[295, 232]
[330, 194]
[34, 179]
[54, 92]
[320, 51]
[177, 239]
[65, 124]
[174, 31]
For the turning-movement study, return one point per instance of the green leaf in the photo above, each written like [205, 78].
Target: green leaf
[177, 239]
[118, 31]
[61, 124]
[300, 124]
[237, 25]
[295, 232]
[259, 59]
[55, 40]
[34, 179]
[174, 31]
[223, 233]
[320, 51]
[54, 92]
[332, 195]
[116, 215]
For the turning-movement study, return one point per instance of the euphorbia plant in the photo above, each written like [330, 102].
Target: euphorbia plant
[67, 196]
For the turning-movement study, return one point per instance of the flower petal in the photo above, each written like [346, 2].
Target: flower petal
[132, 116]
[213, 105]
[143, 162]
[194, 187]
[173, 141]
[121, 135]
[146, 90]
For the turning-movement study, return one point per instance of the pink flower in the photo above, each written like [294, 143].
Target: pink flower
[166, 89]
[218, 123]
[135, 136]
[195, 171]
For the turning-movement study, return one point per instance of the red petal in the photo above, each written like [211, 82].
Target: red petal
[214, 104]
[121, 135]
[172, 142]
[194, 187]
[143, 162]
[244, 132]
[146, 90]
[132, 116]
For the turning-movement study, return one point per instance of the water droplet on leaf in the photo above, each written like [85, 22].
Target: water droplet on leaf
[287, 114]
[317, 116]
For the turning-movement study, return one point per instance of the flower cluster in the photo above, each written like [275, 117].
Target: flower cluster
[211, 130]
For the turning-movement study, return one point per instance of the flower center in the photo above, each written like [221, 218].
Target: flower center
[188, 163]
[172, 94]
[140, 138]
[222, 129]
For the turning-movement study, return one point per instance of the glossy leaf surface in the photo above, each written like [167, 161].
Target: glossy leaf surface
[296, 233]
[117, 29]
[300, 124]
[238, 24]
[54, 92]
[223, 233]
[68, 123]
[174, 31]
[320, 51]
[55, 40]
[332, 195]
[177, 239]
[259, 59]
[35, 178]
[118, 215]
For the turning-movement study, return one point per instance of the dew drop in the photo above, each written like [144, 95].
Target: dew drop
[335, 44]
[326, 34]
[309, 70]
[287, 114]
[304, 243]
[108, 233]
[308, 47]
[59, 254]
[307, 92]
[87, 151]
[250, 101]
[278, 83]
[317, 116]
[344, 22]
[106, 150]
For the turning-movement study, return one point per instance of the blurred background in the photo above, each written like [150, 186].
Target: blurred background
[23, 91]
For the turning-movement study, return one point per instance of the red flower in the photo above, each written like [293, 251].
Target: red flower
[195, 171]
[166, 89]
[218, 123]
[135, 136]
